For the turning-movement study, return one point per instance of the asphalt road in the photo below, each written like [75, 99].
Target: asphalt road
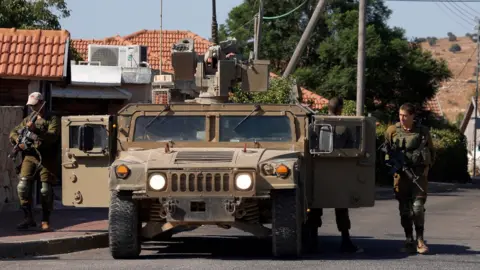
[452, 226]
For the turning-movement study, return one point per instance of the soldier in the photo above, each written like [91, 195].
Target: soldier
[342, 139]
[412, 196]
[46, 132]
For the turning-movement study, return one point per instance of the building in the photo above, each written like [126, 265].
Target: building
[30, 60]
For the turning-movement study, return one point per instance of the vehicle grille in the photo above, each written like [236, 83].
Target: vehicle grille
[204, 156]
[201, 182]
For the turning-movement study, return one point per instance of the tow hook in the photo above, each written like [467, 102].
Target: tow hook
[230, 206]
[170, 206]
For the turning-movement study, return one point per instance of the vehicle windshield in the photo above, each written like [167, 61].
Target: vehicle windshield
[170, 128]
[255, 128]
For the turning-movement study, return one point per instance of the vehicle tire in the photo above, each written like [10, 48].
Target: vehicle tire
[286, 223]
[124, 226]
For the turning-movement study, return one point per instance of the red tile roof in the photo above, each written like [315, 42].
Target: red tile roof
[151, 39]
[33, 53]
[433, 106]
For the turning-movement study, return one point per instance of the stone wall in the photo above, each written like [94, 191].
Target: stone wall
[10, 116]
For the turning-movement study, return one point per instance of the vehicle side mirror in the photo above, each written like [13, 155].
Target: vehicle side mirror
[85, 138]
[321, 139]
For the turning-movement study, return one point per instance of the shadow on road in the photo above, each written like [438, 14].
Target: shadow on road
[250, 248]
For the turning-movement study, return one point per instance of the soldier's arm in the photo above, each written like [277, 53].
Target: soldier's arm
[52, 133]
[14, 132]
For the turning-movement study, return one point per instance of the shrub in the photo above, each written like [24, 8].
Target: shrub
[451, 164]
[455, 48]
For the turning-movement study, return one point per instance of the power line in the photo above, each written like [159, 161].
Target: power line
[286, 14]
[460, 16]
[453, 19]
[455, 6]
[462, 8]
[468, 7]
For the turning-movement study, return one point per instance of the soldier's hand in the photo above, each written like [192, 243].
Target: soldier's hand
[31, 126]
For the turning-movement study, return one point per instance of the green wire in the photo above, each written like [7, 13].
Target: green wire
[286, 14]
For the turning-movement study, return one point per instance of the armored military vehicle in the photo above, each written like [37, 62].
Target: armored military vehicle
[200, 160]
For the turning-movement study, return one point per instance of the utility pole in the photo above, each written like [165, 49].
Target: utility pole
[304, 39]
[476, 102]
[361, 58]
[161, 36]
[258, 29]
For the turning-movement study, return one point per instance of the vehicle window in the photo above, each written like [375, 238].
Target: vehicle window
[255, 128]
[170, 128]
[347, 136]
[100, 138]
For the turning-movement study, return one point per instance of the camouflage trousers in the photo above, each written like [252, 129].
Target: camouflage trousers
[28, 171]
[341, 217]
[411, 201]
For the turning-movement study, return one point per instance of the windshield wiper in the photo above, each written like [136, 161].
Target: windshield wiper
[255, 109]
[167, 108]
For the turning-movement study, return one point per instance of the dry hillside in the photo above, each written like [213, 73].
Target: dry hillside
[455, 94]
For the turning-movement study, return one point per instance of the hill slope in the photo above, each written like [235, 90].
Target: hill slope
[455, 94]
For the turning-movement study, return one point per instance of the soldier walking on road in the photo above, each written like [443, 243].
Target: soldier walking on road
[417, 143]
[46, 130]
[343, 138]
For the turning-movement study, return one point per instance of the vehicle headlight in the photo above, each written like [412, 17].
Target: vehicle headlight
[243, 181]
[157, 181]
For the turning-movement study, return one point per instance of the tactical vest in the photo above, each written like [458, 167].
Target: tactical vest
[414, 143]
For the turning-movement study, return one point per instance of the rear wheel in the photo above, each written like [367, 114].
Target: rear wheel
[124, 226]
[286, 223]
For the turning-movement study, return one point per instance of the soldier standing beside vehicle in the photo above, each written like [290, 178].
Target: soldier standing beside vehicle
[343, 139]
[46, 132]
[417, 143]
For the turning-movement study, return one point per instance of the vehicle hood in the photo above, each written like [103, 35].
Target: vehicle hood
[203, 157]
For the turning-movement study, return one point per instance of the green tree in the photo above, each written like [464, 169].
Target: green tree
[395, 72]
[28, 14]
[25, 14]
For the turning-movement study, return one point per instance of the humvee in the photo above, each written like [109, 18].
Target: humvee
[160, 167]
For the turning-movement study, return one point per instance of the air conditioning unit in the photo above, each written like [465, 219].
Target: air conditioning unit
[122, 56]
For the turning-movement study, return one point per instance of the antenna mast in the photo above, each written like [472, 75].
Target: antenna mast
[214, 23]
[160, 51]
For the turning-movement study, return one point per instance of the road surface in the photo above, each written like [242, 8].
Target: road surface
[452, 232]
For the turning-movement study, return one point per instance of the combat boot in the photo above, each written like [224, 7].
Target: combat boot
[422, 248]
[28, 220]
[46, 220]
[347, 245]
[409, 246]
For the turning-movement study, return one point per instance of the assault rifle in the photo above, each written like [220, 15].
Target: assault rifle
[397, 162]
[26, 139]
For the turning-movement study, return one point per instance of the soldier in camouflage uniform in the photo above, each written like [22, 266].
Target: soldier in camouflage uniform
[412, 197]
[46, 129]
[342, 139]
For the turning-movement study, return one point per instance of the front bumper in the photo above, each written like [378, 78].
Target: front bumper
[199, 210]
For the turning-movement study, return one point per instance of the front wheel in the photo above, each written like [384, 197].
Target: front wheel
[286, 223]
[124, 226]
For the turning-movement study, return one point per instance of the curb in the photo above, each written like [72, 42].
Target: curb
[53, 246]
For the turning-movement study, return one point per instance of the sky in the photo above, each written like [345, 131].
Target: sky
[98, 19]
